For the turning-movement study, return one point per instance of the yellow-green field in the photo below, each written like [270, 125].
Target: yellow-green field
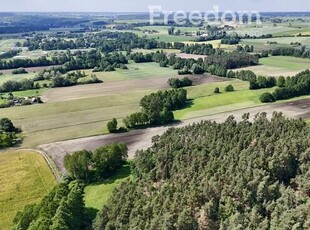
[25, 178]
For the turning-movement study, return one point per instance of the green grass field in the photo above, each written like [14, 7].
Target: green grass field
[25, 178]
[15, 77]
[135, 71]
[30, 93]
[290, 63]
[96, 195]
[205, 102]
[280, 66]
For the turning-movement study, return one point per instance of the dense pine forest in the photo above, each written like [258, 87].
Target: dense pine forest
[246, 175]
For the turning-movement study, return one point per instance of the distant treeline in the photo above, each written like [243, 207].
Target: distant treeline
[290, 51]
[42, 61]
[201, 49]
[216, 64]
[30, 23]
[232, 60]
[70, 61]
[104, 41]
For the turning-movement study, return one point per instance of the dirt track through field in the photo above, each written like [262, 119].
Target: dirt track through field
[141, 139]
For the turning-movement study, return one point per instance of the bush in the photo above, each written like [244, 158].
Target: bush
[19, 71]
[163, 64]
[229, 88]
[184, 71]
[197, 69]
[112, 126]
[267, 98]
[217, 90]
[179, 83]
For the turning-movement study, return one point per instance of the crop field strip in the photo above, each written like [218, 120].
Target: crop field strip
[25, 178]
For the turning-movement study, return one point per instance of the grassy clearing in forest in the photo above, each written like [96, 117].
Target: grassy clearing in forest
[97, 195]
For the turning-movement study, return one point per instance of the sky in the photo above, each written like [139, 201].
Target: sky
[142, 5]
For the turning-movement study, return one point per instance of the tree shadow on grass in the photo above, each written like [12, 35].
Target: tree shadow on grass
[122, 173]
[189, 103]
[91, 213]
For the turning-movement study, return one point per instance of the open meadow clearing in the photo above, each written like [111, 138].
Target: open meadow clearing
[280, 66]
[135, 71]
[14, 77]
[25, 178]
[97, 195]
